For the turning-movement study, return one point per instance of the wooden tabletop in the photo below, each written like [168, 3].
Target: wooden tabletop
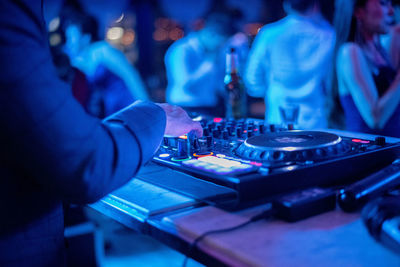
[331, 239]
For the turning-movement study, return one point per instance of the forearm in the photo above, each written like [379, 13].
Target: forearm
[136, 86]
[191, 81]
[67, 152]
[355, 74]
[204, 70]
[118, 63]
[49, 137]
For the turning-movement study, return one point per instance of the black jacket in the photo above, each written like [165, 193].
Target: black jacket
[51, 150]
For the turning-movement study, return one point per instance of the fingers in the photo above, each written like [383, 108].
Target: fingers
[197, 129]
[179, 122]
[192, 126]
[184, 127]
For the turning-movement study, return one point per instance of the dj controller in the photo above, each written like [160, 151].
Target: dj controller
[259, 161]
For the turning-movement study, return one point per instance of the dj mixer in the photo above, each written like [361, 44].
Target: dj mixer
[259, 161]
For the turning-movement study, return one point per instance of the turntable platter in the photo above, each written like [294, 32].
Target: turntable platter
[293, 140]
[292, 146]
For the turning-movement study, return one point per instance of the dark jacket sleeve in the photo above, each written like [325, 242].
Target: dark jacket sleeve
[46, 136]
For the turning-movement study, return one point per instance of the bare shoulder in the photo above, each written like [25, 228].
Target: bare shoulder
[348, 48]
[349, 51]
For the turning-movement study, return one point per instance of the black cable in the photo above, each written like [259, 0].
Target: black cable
[291, 207]
[262, 215]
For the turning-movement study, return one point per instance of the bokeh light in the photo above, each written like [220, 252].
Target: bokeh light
[115, 33]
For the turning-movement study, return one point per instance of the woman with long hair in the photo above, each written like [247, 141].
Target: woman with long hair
[368, 76]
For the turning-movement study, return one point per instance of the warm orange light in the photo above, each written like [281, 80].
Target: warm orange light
[128, 38]
[175, 34]
[160, 35]
[203, 155]
[162, 23]
[252, 28]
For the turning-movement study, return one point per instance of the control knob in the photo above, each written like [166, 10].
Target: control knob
[380, 140]
[183, 148]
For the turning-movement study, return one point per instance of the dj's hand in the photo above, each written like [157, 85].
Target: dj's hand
[179, 122]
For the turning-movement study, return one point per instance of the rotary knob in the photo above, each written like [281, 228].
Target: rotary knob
[307, 154]
[380, 141]
[206, 131]
[225, 135]
[182, 148]
[216, 133]
[261, 128]
[239, 132]
[165, 141]
[272, 128]
[209, 141]
[277, 156]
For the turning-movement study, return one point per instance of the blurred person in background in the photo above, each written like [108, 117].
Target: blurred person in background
[387, 40]
[111, 82]
[368, 74]
[195, 66]
[289, 63]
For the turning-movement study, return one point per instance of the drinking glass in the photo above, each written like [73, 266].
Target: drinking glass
[289, 113]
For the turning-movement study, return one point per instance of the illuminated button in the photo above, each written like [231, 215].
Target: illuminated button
[361, 141]
[203, 154]
[165, 155]
[211, 167]
[243, 167]
[198, 118]
[290, 168]
[191, 162]
[217, 120]
[219, 161]
[223, 170]
[181, 158]
[195, 163]
[202, 164]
